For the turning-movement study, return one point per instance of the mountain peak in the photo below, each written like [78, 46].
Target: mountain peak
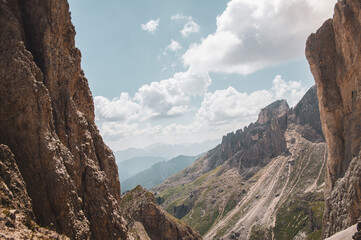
[275, 109]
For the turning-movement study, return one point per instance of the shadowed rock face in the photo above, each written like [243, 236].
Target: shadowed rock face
[141, 207]
[16, 213]
[47, 120]
[334, 55]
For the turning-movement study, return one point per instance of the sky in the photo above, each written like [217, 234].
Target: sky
[185, 71]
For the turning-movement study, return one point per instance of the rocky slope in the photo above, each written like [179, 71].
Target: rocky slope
[47, 122]
[334, 56]
[257, 179]
[148, 221]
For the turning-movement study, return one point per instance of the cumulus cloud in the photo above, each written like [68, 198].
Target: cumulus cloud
[164, 99]
[174, 46]
[224, 106]
[120, 109]
[189, 27]
[151, 26]
[251, 35]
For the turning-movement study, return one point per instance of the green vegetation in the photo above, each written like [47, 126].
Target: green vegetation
[202, 216]
[259, 233]
[317, 235]
[201, 219]
[300, 214]
[230, 205]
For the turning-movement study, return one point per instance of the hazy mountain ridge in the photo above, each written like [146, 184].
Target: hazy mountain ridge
[133, 166]
[158, 173]
[167, 151]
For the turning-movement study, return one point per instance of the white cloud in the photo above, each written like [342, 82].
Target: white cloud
[164, 99]
[151, 26]
[178, 16]
[224, 106]
[120, 109]
[193, 83]
[174, 46]
[251, 35]
[122, 120]
[189, 27]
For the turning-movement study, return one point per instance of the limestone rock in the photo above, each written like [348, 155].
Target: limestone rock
[16, 214]
[13, 193]
[47, 120]
[141, 207]
[334, 55]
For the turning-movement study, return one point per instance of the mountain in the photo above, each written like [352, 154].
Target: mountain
[56, 171]
[158, 173]
[333, 53]
[167, 151]
[265, 180]
[131, 167]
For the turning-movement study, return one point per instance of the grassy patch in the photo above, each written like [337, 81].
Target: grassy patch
[301, 214]
[231, 203]
[317, 235]
[259, 233]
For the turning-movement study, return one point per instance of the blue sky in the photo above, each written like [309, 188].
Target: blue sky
[188, 71]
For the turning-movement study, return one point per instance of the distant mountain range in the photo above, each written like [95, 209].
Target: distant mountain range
[158, 173]
[131, 167]
[167, 151]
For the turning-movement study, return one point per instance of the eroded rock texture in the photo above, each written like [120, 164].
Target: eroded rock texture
[147, 220]
[16, 214]
[334, 55]
[47, 120]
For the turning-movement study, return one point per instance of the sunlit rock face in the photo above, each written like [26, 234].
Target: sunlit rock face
[334, 55]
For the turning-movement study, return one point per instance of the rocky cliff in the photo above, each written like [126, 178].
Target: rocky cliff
[47, 120]
[16, 214]
[61, 176]
[334, 55]
[148, 221]
[258, 179]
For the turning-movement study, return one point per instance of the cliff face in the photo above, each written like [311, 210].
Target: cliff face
[16, 214]
[47, 120]
[334, 55]
[256, 144]
[147, 220]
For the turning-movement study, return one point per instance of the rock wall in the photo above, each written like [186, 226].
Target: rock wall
[16, 213]
[156, 224]
[47, 120]
[334, 55]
